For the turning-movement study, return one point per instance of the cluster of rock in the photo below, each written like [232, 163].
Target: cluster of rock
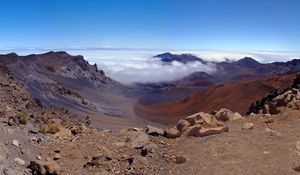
[199, 125]
[278, 100]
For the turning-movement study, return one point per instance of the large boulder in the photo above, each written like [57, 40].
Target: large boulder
[182, 125]
[172, 133]
[138, 139]
[203, 119]
[226, 115]
[154, 131]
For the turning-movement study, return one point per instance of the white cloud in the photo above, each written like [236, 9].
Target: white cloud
[136, 65]
[127, 70]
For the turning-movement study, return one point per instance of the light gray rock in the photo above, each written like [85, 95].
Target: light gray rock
[20, 161]
[139, 139]
[154, 131]
[247, 126]
[16, 143]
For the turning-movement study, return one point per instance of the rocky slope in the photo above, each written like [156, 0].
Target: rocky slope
[61, 80]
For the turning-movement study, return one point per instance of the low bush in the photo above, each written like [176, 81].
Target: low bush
[50, 128]
[22, 117]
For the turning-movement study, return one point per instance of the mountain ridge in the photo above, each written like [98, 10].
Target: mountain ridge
[62, 80]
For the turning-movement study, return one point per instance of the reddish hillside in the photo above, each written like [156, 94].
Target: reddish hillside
[236, 96]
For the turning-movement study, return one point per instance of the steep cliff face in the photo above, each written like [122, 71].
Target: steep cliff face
[61, 80]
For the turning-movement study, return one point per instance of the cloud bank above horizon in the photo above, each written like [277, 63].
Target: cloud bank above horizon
[138, 66]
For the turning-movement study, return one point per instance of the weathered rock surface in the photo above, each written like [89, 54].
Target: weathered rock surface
[138, 139]
[182, 125]
[212, 131]
[172, 133]
[154, 131]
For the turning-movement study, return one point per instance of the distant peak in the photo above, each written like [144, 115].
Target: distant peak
[248, 62]
[13, 54]
[248, 59]
[183, 58]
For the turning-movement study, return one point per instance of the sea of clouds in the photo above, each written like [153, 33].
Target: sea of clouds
[134, 65]
[140, 66]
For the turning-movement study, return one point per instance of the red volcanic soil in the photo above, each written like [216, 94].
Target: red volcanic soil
[236, 96]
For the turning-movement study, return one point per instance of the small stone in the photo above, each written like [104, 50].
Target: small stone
[180, 159]
[20, 161]
[16, 143]
[273, 132]
[40, 140]
[56, 156]
[247, 126]
[33, 131]
[11, 121]
[33, 139]
[39, 157]
[135, 129]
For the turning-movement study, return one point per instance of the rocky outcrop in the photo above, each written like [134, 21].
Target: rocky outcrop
[278, 100]
[202, 124]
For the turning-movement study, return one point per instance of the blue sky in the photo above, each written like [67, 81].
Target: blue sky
[162, 24]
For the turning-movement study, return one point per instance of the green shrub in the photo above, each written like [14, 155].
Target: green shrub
[22, 117]
[50, 128]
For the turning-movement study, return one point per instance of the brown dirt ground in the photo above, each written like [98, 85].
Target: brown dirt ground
[239, 151]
